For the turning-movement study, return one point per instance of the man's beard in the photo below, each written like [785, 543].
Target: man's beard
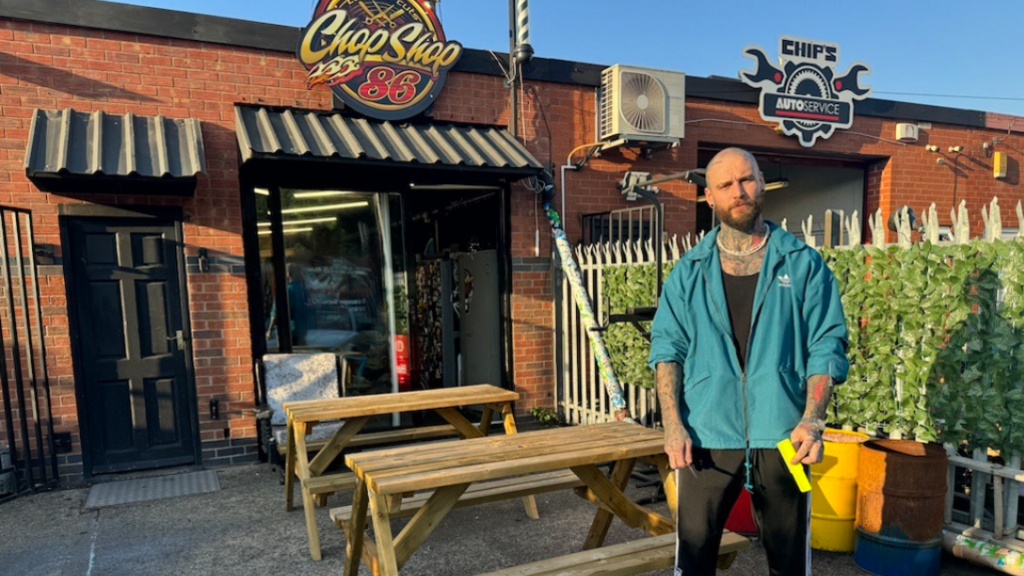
[744, 221]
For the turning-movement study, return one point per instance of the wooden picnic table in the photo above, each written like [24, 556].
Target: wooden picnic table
[449, 468]
[356, 411]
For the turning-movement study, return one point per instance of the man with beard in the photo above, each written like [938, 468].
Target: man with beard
[747, 342]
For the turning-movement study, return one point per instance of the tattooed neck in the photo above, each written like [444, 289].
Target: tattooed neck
[741, 240]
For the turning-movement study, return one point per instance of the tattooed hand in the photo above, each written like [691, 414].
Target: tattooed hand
[678, 444]
[806, 438]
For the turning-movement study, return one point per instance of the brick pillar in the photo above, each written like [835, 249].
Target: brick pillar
[533, 336]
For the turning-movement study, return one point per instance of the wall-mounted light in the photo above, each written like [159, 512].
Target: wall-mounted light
[204, 260]
[906, 132]
[45, 253]
[323, 194]
[471, 187]
[287, 231]
[956, 149]
[931, 148]
[305, 221]
[325, 208]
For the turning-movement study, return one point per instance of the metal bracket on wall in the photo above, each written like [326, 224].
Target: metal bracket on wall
[645, 150]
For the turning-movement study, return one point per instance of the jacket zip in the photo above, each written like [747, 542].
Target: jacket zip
[743, 388]
[743, 376]
[743, 371]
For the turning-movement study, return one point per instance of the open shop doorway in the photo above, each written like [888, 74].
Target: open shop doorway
[457, 241]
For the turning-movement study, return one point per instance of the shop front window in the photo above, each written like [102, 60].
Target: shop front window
[339, 274]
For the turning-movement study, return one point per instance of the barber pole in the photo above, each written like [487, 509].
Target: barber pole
[523, 22]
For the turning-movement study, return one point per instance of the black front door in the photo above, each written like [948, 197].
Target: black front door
[126, 299]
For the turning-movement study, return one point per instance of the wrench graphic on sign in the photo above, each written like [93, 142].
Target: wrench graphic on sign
[765, 75]
[851, 81]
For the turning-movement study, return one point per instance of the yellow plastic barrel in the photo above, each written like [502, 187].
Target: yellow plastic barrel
[834, 492]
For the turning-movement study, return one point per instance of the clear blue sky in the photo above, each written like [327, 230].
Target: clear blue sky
[913, 47]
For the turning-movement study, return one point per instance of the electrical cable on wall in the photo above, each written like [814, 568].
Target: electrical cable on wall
[532, 182]
[522, 105]
[956, 173]
[504, 72]
[589, 146]
[965, 97]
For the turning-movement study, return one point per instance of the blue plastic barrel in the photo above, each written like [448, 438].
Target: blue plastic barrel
[898, 556]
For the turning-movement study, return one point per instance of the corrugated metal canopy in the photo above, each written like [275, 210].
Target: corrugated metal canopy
[288, 133]
[68, 143]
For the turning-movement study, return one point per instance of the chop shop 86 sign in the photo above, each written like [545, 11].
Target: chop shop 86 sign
[386, 59]
[806, 95]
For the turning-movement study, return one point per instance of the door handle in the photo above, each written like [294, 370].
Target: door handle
[178, 339]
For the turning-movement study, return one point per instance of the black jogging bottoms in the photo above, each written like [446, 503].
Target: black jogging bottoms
[707, 495]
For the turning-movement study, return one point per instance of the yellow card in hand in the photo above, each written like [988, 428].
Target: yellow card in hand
[797, 470]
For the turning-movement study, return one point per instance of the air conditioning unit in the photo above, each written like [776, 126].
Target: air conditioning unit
[642, 104]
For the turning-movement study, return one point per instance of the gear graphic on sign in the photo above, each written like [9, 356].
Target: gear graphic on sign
[808, 81]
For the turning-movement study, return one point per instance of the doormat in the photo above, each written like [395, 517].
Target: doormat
[143, 489]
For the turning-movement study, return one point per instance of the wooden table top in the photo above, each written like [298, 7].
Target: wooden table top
[375, 404]
[429, 466]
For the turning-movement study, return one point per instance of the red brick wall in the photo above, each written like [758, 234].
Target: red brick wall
[51, 67]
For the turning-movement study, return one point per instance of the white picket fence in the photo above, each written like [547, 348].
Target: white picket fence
[584, 401]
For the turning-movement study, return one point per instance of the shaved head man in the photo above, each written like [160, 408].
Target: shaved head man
[747, 342]
[735, 189]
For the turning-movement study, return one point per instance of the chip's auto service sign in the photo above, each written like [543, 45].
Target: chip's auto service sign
[805, 96]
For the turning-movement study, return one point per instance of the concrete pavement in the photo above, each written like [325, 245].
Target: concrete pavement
[243, 530]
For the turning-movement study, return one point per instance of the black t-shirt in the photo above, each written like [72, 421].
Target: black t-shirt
[739, 296]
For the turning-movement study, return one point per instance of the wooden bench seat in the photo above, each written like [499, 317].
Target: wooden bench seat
[635, 557]
[384, 437]
[479, 493]
[329, 483]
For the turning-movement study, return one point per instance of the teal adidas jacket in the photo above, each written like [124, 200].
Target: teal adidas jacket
[798, 330]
